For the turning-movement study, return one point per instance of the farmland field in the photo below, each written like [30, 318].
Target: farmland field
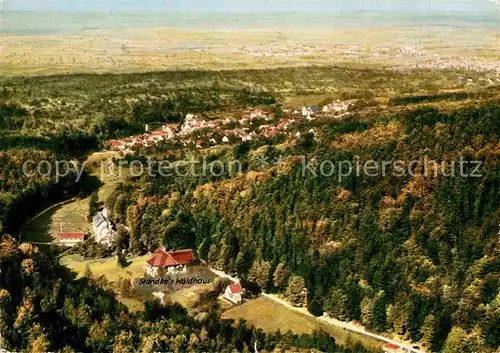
[158, 43]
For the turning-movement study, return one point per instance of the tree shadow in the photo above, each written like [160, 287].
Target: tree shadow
[89, 184]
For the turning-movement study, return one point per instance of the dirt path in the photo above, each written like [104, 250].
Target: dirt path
[345, 325]
[224, 275]
[62, 203]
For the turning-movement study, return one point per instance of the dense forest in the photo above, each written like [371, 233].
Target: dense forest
[415, 254]
[42, 309]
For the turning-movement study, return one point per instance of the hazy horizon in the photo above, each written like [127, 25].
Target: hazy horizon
[119, 6]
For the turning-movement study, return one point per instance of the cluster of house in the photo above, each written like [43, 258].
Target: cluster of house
[148, 139]
[220, 133]
[193, 123]
[337, 107]
[464, 63]
[308, 112]
[165, 261]
[211, 138]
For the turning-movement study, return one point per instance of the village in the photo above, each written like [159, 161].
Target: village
[405, 55]
[252, 125]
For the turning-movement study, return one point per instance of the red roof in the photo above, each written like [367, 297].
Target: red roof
[171, 258]
[158, 132]
[70, 236]
[391, 346]
[235, 288]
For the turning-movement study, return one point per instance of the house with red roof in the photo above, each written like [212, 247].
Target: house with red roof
[391, 348]
[116, 144]
[71, 238]
[233, 293]
[164, 261]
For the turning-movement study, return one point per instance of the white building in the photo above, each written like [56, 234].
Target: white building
[233, 293]
[103, 228]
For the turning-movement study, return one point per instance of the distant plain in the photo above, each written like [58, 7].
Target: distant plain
[35, 43]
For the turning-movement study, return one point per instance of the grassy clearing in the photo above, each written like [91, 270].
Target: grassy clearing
[96, 163]
[132, 304]
[108, 267]
[72, 216]
[187, 297]
[271, 316]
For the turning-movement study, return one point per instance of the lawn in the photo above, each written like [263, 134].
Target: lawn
[184, 295]
[97, 164]
[108, 267]
[271, 316]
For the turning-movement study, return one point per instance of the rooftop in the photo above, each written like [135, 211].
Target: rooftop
[71, 236]
[235, 288]
[161, 258]
[391, 346]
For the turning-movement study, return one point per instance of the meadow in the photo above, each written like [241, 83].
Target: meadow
[271, 316]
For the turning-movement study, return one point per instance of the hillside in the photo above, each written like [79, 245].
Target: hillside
[384, 214]
[412, 251]
[42, 309]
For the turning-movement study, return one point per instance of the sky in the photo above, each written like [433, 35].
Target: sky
[247, 5]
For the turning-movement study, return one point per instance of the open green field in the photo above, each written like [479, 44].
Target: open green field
[271, 316]
[107, 267]
[71, 216]
[184, 295]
